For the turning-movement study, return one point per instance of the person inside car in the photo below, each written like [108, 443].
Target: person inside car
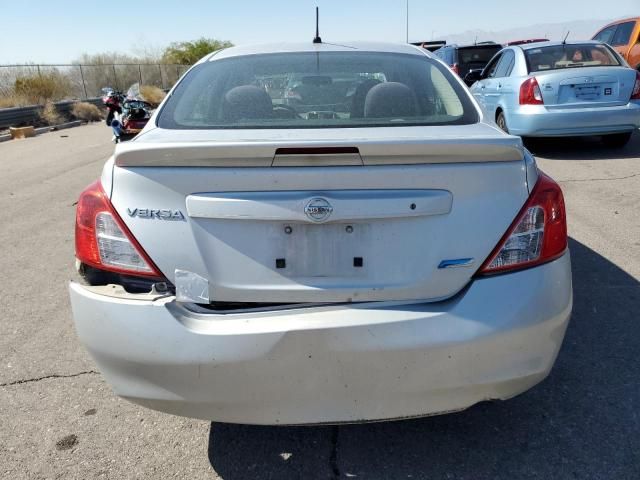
[577, 56]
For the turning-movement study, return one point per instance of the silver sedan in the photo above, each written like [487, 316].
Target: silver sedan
[376, 250]
[561, 89]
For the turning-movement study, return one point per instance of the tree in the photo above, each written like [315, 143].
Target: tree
[188, 53]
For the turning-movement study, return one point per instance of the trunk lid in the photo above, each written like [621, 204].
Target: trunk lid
[264, 218]
[586, 86]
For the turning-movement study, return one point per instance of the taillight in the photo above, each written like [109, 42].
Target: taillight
[455, 68]
[292, 95]
[537, 235]
[530, 93]
[635, 94]
[103, 240]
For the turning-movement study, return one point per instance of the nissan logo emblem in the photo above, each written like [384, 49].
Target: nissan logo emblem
[318, 209]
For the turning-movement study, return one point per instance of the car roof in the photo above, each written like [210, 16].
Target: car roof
[623, 20]
[262, 49]
[529, 46]
[473, 45]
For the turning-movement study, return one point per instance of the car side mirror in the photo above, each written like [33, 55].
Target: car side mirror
[473, 76]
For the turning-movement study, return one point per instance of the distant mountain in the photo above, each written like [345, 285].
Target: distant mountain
[579, 30]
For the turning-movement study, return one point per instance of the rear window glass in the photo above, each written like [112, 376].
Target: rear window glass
[317, 90]
[569, 56]
[478, 55]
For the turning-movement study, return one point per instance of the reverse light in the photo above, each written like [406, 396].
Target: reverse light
[537, 235]
[635, 94]
[103, 240]
[530, 93]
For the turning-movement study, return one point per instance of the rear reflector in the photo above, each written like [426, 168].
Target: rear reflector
[102, 239]
[530, 93]
[537, 235]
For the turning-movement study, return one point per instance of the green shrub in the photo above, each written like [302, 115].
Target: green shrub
[188, 53]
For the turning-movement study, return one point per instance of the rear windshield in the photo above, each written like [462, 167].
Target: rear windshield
[317, 90]
[477, 55]
[569, 56]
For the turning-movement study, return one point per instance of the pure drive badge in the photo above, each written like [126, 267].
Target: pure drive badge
[158, 214]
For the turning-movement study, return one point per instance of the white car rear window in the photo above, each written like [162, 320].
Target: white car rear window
[317, 90]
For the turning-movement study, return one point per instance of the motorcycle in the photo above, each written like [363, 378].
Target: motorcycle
[126, 114]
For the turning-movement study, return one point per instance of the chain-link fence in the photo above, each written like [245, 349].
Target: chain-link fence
[85, 81]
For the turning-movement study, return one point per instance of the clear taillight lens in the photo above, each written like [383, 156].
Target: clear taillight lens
[102, 239]
[115, 248]
[537, 235]
[524, 244]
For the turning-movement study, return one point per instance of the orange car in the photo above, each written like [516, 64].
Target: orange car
[624, 36]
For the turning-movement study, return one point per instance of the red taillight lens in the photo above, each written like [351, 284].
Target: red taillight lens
[292, 95]
[103, 240]
[530, 93]
[635, 95]
[537, 235]
[455, 68]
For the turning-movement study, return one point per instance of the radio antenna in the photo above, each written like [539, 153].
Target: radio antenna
[565, 37]
[317, 38]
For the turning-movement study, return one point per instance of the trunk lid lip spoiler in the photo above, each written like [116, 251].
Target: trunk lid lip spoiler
[400, 151]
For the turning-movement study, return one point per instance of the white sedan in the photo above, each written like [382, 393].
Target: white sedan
[317, 233]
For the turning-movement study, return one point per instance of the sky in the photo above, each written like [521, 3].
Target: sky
[58, 31]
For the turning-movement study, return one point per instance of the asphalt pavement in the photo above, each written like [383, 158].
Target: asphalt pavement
[58, 418]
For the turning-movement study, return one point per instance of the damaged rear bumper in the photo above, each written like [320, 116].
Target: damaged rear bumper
[332, 363]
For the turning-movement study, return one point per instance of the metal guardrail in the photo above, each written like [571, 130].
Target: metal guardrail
[16, 116]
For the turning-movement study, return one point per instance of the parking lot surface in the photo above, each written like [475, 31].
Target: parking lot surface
[60, 420]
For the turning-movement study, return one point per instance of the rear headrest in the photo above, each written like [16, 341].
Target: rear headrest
[360, 95]
[390, 99]
[246, 102]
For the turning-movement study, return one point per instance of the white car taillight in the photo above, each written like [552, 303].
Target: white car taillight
[102, 239]
[115, 248]
[537, 235]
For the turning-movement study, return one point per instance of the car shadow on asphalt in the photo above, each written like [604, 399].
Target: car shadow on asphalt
[581, 422]
[582, 148]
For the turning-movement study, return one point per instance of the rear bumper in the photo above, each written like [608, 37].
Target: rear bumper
[341, 363]
[540, 121]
